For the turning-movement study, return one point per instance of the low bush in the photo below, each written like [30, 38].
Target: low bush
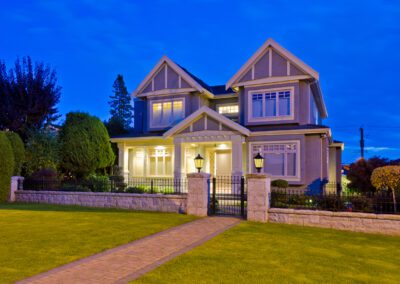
[280, 183]
[7, 166]
[136, 189]
[75, 187]
[99, 183]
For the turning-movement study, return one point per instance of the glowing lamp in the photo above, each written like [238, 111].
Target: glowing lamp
[198, 162]
[258, 162]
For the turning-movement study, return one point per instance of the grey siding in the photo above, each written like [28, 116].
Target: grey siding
[173, 79]
[261, 67]
[279, 65]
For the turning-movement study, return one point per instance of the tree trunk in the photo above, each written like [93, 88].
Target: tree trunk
[394, 200]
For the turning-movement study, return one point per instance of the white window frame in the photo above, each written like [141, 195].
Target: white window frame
[228, 104]
[297, 177]
[154, 125]
[250, 117]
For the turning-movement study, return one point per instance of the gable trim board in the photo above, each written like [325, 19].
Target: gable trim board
[267, 47]
[163, 63]
[204, 110]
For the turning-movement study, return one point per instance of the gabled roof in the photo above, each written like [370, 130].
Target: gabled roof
[211, 113]
[253, 59]
[189, 78]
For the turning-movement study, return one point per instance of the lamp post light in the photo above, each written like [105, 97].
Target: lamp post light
[258, 162]
[198, 162]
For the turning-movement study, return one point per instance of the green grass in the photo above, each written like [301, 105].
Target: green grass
[274, 253]
[36, 238]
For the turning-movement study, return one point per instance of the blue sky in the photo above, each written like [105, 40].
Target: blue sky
[352, 44]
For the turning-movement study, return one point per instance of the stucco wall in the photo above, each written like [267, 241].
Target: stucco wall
[145, 202]
[358, 222]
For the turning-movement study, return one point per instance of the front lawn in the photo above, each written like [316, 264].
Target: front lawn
[36, 238]
[275, 253]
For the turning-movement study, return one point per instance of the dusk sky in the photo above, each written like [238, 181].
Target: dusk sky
[354, 45]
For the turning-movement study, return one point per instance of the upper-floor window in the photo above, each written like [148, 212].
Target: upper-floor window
[167, 112]
[228, 109]
[271, 104]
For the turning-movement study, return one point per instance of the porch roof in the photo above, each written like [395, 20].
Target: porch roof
[204, 110]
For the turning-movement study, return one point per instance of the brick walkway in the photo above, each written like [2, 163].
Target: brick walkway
[130, 261]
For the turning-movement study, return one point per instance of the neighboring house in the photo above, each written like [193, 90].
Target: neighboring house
[272, 105]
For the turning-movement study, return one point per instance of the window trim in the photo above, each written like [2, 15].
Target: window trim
[228, 104]
[297, 177]
[152, 124]
[250, 117]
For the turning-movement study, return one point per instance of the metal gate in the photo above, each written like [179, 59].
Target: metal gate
[228, 196]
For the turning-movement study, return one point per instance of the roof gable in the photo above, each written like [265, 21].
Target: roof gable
[167, 75]
[206, 119]
[272, 60]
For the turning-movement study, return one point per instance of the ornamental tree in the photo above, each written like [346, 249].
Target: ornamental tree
[387, 177]
[6, 166]
[29, 94]
[84, 145]
[42, 151]
[120, 108]
[18, 151]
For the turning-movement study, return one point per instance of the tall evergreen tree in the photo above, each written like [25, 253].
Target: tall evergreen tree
[121, 108]
[29, 94]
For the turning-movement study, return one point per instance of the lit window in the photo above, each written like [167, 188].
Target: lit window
[227, 109]
[280, 159]
[271, 104]
[160, 161]
[166, 113]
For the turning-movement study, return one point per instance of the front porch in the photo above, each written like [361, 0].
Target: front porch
[224, 154]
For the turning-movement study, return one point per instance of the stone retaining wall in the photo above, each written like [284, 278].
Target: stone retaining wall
[145, 202]
[358, 222]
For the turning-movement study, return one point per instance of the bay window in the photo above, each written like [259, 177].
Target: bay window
[281, 159]
[166, 113]
[271, 104]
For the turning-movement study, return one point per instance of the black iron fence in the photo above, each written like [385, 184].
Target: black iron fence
[228, 196]
[109, 184]
[157, 185]
[371, 202]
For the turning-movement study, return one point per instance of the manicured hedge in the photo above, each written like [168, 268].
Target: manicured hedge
[6, 166]
[18, 150]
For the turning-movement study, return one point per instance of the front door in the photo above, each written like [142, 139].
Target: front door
[223, 162]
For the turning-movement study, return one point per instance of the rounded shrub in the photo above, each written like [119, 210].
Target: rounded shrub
[6, 166]
[18, 150]
[280, 183]
[84, 145]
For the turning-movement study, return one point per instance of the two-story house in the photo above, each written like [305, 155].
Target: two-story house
[273, 105]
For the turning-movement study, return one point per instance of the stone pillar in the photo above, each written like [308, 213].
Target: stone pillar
[177, 158]
[14, 187]
[198, 192]
[237, 155]
[258, 189]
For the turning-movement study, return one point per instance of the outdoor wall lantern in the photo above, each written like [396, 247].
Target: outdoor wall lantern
[198, 162]
[258, 162]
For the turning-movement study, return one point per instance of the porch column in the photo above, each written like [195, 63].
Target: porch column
[237, 155]
[123, 159]
[177, 158]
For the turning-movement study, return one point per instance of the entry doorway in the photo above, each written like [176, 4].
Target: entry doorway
[223, 163]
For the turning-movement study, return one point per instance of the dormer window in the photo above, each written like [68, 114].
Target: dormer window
[166, 112]
[271, 104]
[228, 109]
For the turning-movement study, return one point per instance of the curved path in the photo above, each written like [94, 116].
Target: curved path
[130, 261]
